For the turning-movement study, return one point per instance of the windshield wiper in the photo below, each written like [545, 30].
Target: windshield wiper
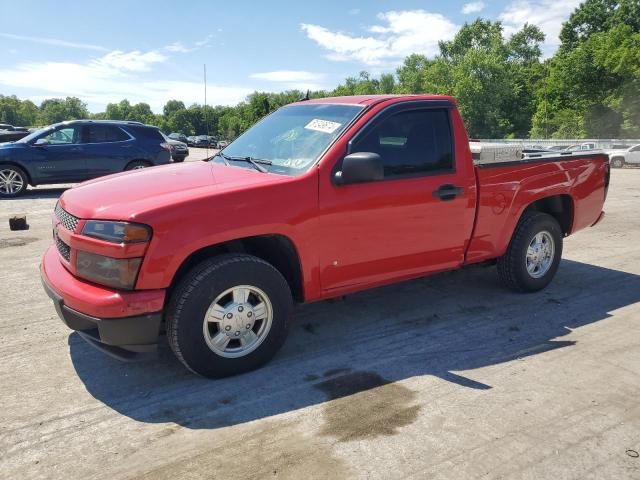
[256, 162]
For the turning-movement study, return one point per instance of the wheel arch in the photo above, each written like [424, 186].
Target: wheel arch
[561, 207]
[148, 162]
[276, 249]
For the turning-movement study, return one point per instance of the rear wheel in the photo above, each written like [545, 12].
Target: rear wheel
[228, 315]
[533, 255]
[617, 162]
[13, 181]
[137, 165]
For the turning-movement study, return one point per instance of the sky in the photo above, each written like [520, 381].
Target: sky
[153, 51]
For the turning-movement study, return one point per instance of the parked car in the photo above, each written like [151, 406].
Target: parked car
[181, 137]
[320, 199]
[179, 150]
[191, 140]
[205, 141]
[537, 151]
[620, 158]
[222, 144]
[581, 147]
[79, 150]
[9, 133]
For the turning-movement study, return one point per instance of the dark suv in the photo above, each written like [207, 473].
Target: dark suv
[9, 133]
[79, 150]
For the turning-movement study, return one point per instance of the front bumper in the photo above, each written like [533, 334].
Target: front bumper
[128, 337]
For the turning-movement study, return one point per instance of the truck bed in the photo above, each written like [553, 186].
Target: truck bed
[495, 155]
[506, 188]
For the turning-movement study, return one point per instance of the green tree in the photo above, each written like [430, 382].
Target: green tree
[172, 106]
[118, 111]
[592, 86]
[180, 121]
[55, 110]
[141, 112]
[595, 16]
[17, 112]
[493, 79]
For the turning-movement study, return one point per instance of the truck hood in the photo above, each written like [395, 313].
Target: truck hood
[129, 195]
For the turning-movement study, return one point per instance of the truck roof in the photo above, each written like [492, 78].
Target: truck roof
[373, 99]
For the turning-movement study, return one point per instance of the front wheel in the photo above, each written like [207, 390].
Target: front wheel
[533, 255]
[228, 315]
[13, 181]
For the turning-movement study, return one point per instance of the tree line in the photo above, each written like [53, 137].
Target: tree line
[504, 87]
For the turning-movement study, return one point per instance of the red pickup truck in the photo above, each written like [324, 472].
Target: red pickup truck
[320, 199]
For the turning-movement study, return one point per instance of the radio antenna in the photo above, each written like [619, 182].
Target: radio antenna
[206, 121]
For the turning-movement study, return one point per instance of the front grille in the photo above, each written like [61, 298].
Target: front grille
[64, 249]
[67, 220]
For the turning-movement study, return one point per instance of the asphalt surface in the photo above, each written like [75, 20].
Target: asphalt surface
[445, 377]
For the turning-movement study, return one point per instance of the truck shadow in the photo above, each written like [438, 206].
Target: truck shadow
[441, 326]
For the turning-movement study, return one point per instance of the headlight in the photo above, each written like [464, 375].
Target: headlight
[113, 272]
[117, 232]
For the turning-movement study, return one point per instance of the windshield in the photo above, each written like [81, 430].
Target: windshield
[34, 135]
[292, 138]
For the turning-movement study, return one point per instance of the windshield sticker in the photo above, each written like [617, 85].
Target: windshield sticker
[324, 126]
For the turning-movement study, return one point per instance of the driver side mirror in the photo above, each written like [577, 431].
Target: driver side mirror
[41, 142]
[360, 167]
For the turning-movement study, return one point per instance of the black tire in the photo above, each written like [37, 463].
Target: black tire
[178, 159]
[137, 164]
[195, 293]
[16, 174]
[617, 162]
[512, 267]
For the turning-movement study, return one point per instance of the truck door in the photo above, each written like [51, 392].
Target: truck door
[417, 219]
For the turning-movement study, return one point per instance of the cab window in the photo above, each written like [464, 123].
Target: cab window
[410, 142]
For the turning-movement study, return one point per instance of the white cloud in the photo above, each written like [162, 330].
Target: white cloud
[400, 34]
[206, 40]
[548, 15]
[135, 61]
[473, 7]
[111, 78]
[177, 47]
[52, 41]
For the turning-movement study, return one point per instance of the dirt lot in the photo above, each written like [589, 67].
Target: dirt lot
[445, 377]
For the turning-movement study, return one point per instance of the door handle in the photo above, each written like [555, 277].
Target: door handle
[448, 192]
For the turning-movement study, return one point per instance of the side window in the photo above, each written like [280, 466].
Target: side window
[104, 134]
[635, 149]
[63, 136]
[414, 141]
[148, 134]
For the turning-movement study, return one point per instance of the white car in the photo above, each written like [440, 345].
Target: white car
[620, 158]
[581, 147]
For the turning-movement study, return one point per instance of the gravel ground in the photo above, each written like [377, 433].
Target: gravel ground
[445, 377]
